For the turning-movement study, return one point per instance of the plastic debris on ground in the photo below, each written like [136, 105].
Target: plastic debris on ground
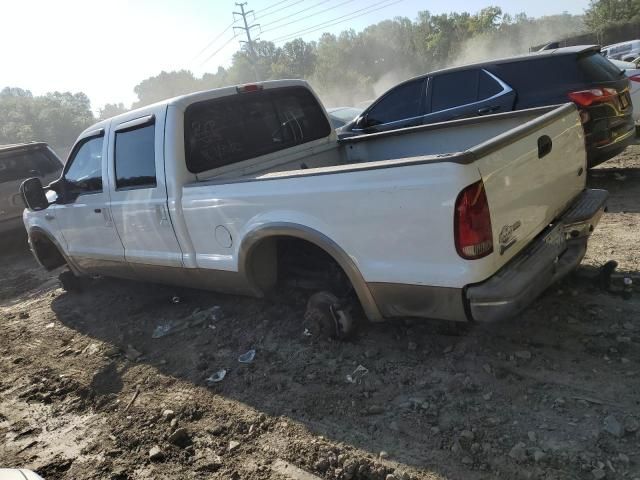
[247, 357]
[357, 374]
[216, 377]
[198, 317]
[175, 299]
[307, 333]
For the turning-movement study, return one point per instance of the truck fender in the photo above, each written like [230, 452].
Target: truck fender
[287, 229]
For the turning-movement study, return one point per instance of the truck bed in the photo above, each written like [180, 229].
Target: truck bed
[447, 141]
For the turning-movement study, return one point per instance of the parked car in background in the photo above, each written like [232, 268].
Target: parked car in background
[626, 51]
[17, 163]
[632, 71]
[549, 77]
[340, 116]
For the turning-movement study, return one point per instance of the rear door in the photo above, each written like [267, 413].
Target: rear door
[138, 192]
[467, 93]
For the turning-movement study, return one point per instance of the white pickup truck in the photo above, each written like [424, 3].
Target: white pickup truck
[243, 188]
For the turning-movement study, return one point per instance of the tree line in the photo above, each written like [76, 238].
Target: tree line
[344, 69]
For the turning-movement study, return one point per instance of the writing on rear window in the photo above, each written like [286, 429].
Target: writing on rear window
[224, 131]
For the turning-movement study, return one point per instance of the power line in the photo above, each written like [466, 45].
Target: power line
[352, 16]
[215, 39]
[279, 10]
[301, 19]
[272, 5]
[218, 50]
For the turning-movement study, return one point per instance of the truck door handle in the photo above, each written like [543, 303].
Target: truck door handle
[491, 109]
[545, 144]
[48, 216]
[97, 210]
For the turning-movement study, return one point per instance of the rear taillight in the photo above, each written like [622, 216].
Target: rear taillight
[635, 78]
[584, 98]
[472, 223]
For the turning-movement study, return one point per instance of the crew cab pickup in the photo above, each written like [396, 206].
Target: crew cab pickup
[243, 188]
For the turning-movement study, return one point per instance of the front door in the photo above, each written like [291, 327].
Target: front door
[82, 211]
[138, 195]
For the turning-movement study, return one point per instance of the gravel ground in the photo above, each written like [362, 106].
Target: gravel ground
[87, 392]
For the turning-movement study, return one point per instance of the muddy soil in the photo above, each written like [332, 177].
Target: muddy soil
[87, 392]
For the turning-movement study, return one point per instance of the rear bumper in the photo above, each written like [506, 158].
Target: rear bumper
[554, 254]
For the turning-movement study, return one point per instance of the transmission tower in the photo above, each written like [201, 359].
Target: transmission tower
[247, 29]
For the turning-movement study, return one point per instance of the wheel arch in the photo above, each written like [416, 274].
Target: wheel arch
[47, 250]
[269, 232]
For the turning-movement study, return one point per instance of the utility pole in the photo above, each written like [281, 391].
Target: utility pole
[247, 29]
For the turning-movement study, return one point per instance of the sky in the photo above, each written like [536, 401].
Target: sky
[104, 49]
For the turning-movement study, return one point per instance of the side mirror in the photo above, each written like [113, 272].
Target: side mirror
[33, 194]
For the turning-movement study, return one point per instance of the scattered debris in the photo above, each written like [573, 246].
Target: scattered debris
[23, 315]
[156, 454]
[216, 377]
[619, 176]
[180, 438]
[613, 426]
[133, 399]
[523, 354]
[247, 357]
[631, 425]
[132, 354]
[197, 317]
[168, 415]
[307, 333]
[628, 288]
[176, 299]
[518, 452]
[233, 445]
[357, 374]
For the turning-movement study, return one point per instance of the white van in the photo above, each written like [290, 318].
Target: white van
[626, 51]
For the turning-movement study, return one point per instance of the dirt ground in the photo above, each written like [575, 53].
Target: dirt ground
[87, 392]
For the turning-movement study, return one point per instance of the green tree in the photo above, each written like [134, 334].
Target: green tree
[602, 12]
[165, 85]
[111, 110]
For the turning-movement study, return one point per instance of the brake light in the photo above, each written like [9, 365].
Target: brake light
[635, 78]
[585, 98]
[250, 87]
[472, 223]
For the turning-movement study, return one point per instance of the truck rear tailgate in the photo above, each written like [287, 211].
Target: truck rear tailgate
[531, 174]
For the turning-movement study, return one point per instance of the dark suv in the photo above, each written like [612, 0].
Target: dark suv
[17, 163]
[579, 74]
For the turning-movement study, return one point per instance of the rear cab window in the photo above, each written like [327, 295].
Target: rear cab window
[239, 127]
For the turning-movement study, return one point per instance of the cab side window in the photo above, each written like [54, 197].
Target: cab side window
[84, 173]
[135, 158]
[404, 101]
